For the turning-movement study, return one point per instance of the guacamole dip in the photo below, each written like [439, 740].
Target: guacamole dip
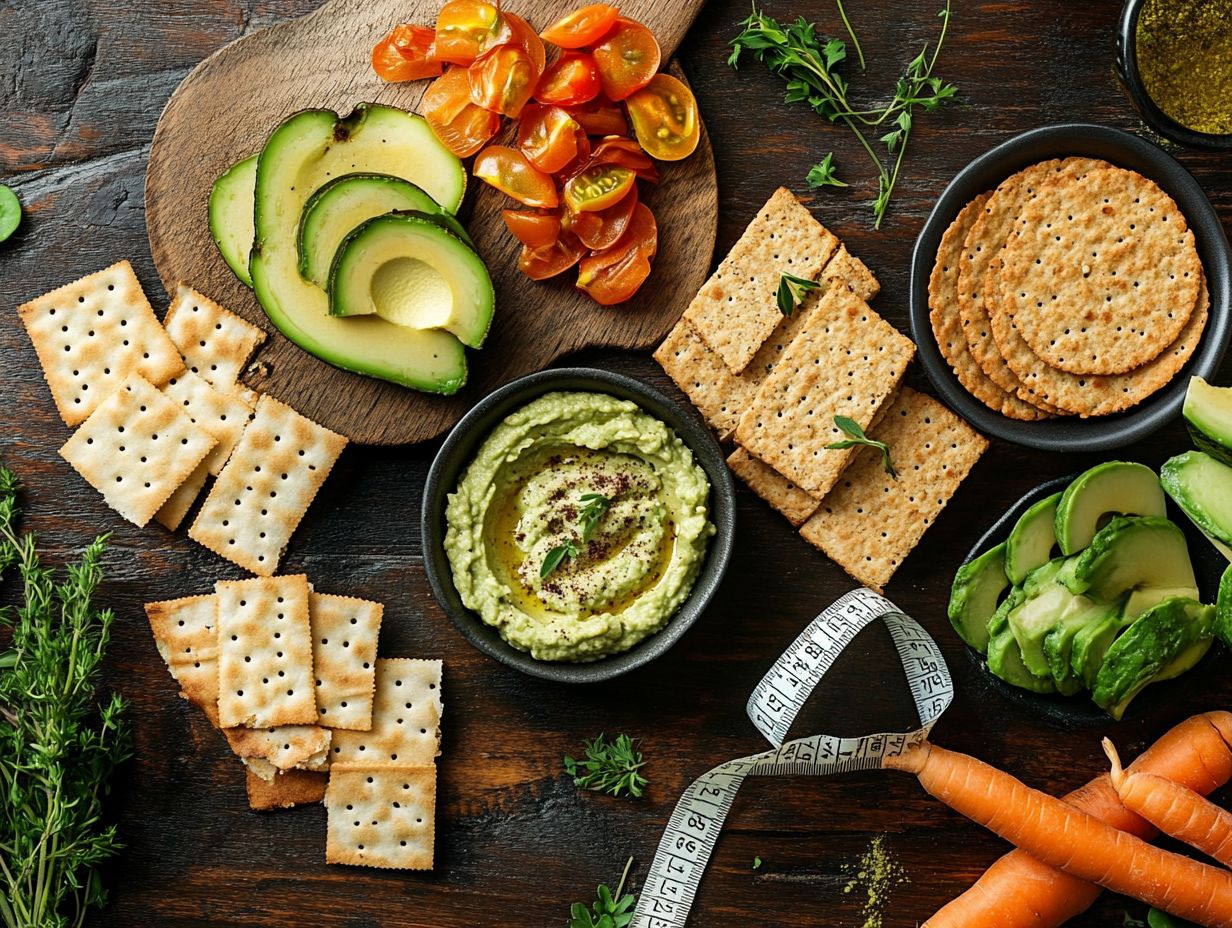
[579, 528]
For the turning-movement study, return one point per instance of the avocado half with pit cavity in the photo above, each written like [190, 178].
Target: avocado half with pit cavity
[1112, 488]
[412, 272]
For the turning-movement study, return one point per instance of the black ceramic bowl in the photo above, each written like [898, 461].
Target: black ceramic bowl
[462, 444]
[1078, 711]
[1119, 148]
[1131, 79]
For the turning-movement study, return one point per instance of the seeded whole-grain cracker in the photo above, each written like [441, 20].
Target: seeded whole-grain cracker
[136, 448]
[215, 342]
[187, 639]
[222, 415]
[381, 816]
[845, 360]
[266, 487]
[344, 638]
[265, 653]
[92, 334]
[847, 267]
[1101, 272]
[173, 511]
[870, 521]
[736, 310]
[702, 376]
[288, 788]
[406, 717]
[773, 487]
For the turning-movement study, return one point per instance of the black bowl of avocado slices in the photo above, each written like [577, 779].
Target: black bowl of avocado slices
[1090, 597]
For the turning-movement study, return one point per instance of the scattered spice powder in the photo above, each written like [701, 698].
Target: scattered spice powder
[1184, 50]
[877, 873]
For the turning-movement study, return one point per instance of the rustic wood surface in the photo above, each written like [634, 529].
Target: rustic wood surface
[81, 86]
[320, 60]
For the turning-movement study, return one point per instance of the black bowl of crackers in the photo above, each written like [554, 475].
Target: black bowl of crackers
[1066, 286]
[454, 460]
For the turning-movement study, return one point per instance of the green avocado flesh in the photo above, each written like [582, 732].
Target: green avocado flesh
[1208, 413]
[1032, 539]
[1005, 657]
[978, 586]
[231, 220]
[1202, 487]
[408, 270]
[1115, 487]
[1164, 642]
[1129, 553]
[305, 152]
[346, 203]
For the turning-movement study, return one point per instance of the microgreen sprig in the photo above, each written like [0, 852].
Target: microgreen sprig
[855, 436]
[609, 767]
[791, 291]
[594, 506]
[610, 909]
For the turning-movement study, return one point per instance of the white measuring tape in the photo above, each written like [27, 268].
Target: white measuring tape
[668, 891]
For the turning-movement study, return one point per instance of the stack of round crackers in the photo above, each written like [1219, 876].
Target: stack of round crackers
[1074, 288]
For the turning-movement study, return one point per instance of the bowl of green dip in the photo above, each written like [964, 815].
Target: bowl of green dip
[1175, 59]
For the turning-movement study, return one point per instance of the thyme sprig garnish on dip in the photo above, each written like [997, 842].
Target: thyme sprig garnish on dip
[791, 292]
[809, 63]
[609, 910]
[855, 436]
[609, 767]
[594, 506]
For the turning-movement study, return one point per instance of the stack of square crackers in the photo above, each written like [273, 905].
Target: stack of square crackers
[1074, 288]
[773, 384]
[159, 409]
[291, 678]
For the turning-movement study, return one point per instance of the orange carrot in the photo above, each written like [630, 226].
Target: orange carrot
[1174, 809]
[1019, 891]
[1080, 844]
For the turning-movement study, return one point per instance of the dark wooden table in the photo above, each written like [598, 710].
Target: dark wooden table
[81, 86]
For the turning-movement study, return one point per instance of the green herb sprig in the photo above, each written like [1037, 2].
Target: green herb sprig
[855, 436]
[609, 767]
[609, 910]
[594, 507]
[58, 743]
[791, 292]
[809, 63]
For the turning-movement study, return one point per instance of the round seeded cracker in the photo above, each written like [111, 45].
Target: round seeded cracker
[947, 323]
[1100, 273]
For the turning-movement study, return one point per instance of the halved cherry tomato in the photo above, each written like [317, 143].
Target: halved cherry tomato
[509, 172]
[615, 274]
[602, 229]
[503, 78]
[542, 263]
[533, 228]
[581, 161]
[665, 119]
[572, 79]
[616, 149]
[627, 58]
[582, 27]
[525, 36]
[548, 137]
[465, 29]
[597, 187]
[600, 117]
[406, 54]
[462, 126]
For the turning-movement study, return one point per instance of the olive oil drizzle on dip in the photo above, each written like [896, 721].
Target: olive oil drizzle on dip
[1184, 51]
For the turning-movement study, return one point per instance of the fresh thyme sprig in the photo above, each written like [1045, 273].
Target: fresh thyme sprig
[610, 909]
[609, 767]
[791, 291]
[809, 64]
[594, 506]
[556, 557]
[856, 436]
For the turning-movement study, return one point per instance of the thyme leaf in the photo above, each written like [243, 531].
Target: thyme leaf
[856, 437]
[791, 291]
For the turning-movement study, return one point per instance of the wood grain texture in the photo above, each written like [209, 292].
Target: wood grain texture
[222, 113]
[81, 84]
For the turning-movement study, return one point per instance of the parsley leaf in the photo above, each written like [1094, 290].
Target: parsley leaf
[609, 768]
[822, 174]
[856, 436]
[610, 909]
[791, 291]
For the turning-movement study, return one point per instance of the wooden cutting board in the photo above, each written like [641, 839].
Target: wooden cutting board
[226, 107]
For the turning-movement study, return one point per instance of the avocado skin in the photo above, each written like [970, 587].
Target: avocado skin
[1211, 446]
[977, 586]
[1209, 403]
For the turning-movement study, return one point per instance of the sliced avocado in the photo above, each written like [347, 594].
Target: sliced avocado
[231, 215]
[1004, 656]
[1129, 553]
[1208, 413]
[1092, 642]
[301, 155]
[1046, 621]
[347, 202]
[1164, 642]
[408, 270]
[1202, 487]
[1114, 487]
[1031, 540]
[1223, 608]
[978, 586]
[1059, 641]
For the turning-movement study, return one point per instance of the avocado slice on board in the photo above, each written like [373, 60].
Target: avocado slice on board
[978, 586]
[1202, 487]
[1129, 553]
[1045, 622]
[231, 220]
[1208, 413]
[1032, 539]
[1164, 642]
[1114, 487]
[344, 204]
[408, 270]
[302, 154]
[1004, 656]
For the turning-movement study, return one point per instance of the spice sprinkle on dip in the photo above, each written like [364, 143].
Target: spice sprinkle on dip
[579, 528]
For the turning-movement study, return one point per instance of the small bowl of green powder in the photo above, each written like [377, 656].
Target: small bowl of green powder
[1175, 59]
